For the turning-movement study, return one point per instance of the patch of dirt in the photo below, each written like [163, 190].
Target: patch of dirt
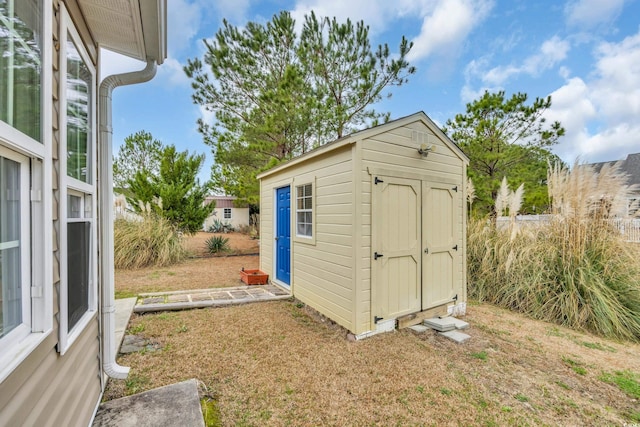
[195, 273]
[280, 363]
[238, 243]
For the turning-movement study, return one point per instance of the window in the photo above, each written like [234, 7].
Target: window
[21, 65]
[79, 239]
[304, 210]
[227, 213]
[26, 292]
[634, 206]
[15, 306]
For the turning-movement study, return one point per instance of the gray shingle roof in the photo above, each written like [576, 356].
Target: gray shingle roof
[630, 166]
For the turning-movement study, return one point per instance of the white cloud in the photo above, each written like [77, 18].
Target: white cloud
[233, 10]
[617, 89]
[446, 26]
[591, 13]
[171, 70]
[183, 23]
[472, 70]
[377, 14]
[601, 115]
[445, 23]
[551, 52]
[572, 107]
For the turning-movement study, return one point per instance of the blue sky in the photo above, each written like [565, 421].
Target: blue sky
[584, 53]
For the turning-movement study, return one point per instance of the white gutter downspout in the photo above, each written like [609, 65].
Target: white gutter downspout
[105, 203]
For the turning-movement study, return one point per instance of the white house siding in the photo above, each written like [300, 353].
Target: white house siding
[239, 217]
[395, 151]
[321, 272]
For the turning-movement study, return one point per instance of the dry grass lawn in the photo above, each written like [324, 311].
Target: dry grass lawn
[199, 272]
[280, 363]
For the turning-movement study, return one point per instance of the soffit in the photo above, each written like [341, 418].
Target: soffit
[126, 27]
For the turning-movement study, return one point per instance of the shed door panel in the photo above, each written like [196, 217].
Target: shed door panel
[283, 235]
[441, 241]
[396, 237]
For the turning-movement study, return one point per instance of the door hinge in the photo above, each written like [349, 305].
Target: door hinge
[455, 248]
[455, 188]
[376, 319]
[376, 255]
[377, 180]
[455, 298]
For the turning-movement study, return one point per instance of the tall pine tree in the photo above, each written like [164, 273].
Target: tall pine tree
[505, 137]
[276, 94]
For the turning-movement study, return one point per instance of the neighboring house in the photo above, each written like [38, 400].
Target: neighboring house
[631, 167]
[228, 211]
[370, 228]
[56, 207]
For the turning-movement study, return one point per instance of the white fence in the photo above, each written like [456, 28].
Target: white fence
[628, 227]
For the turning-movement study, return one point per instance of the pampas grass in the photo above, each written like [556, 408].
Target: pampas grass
[575, 270]
[149, 240]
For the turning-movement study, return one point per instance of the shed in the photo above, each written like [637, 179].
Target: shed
[370, 228]
[228, 211]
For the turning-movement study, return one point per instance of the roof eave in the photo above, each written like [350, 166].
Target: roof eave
[135, 28]
[154, 27]
[366, 133]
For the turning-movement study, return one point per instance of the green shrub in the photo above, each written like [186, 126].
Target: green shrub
[574, 270]
[149, 241]
[220, 227]
[217, 244]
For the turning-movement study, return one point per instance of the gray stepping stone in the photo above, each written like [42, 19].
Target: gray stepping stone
[440, 325]
[177, 298]
[221, 296]
[200, 297]
[419, 328]
[456, 336]
[172, 405]
[460, 324]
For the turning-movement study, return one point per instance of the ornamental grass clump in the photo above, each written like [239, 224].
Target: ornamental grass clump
[574, 269]
[148, 240]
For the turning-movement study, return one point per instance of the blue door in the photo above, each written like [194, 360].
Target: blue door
[283, 235]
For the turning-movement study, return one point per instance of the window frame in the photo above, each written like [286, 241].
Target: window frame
[23, 330]
[36, 158]
[71, 186]
[224, 213]
[302, 238]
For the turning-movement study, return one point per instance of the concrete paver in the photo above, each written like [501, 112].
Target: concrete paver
[181, 300]
[440, 324]
[172, 405]
[456, 336]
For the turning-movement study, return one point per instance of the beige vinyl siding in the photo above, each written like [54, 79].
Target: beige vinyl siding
[333, 271]
[267, 225]
[395, 151]
[321, 272]
[33, 393]
[47, 389]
